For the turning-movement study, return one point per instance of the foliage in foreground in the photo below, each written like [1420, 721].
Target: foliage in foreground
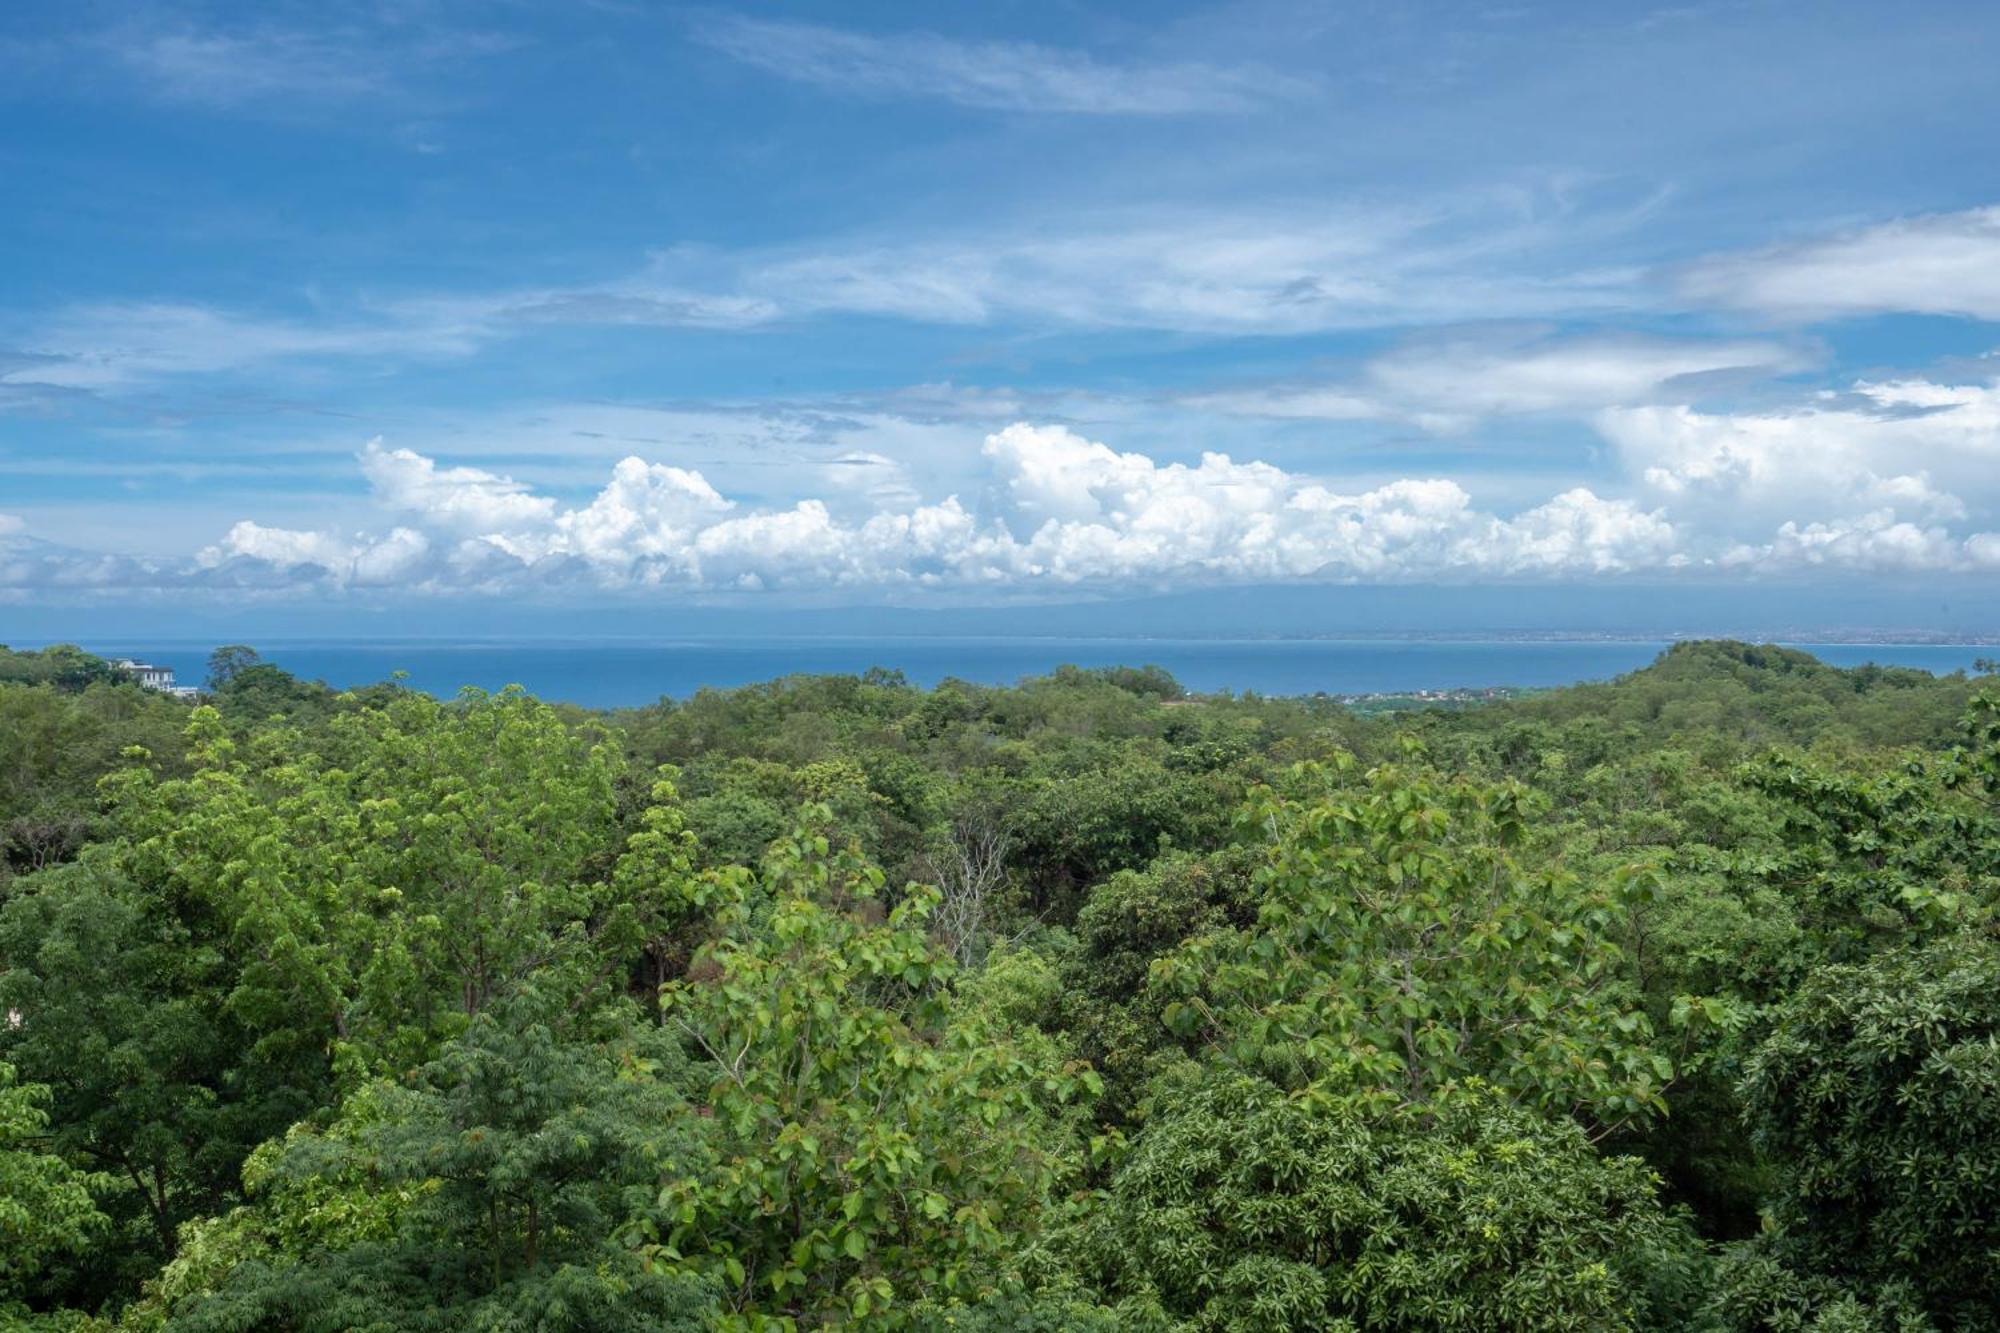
[1668, 1003]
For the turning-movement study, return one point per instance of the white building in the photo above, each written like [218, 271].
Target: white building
[155, 677]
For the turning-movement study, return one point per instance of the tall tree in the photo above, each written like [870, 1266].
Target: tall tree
[390, 873]
[120, 1002]
[228, 662]
[865, 1151]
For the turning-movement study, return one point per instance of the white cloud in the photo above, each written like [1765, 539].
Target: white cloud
[636, 301]
[996, 76]
[1293, 403]
[385, 562]
[110, 346]
[1211, 271]
[11, 525]
[1228, 273]
[1480, 377]
[1890, 477]
[360, 560]
[873, 480]
[648, 511]
[458, 499]
[1940, 264]
[1445, 383]
[1920, 449]
[1208, 272]
[1873, 542]
[1866, 480]
[1578, 531]
[1072, 513]
[282, 547]
[1471, 257]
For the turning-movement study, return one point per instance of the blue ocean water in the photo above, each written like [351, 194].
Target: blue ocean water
[618, 673]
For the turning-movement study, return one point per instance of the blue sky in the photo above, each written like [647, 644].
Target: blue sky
[521, 307]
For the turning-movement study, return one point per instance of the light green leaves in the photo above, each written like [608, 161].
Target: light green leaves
[1405, 945]
[865, 1150]
[45, 1204]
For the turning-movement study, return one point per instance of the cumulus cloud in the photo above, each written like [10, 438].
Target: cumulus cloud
[1067, 512]
[994, 76]
[1940, 264]
[1891, 477]
[1866, 480]
[1579, 531]
[282, 547]
[359, 560]
[11, 525]
[648, 511]
[460, 498]
[1983, 550]
[1874, 542]
[1914, 447]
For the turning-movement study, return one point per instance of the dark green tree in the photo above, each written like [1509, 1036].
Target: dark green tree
[1877, 1095]
[484, 1192]
[1242, 1208]
[228, 662]
[121, 1006]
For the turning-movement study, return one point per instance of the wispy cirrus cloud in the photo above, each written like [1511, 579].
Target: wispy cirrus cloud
[277, 58]
[1447, 381]
[218, 68]
[988, 75]
[111, 346]
[1182, 272]
[99, 347]
[1202, 272]
[1938, 264]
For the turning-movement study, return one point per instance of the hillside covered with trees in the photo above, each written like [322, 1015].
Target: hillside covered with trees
[1666, 1003]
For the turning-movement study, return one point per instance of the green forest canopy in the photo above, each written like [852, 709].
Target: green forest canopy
[1666, 1003]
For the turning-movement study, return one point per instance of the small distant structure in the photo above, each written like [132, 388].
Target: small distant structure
[155, 677]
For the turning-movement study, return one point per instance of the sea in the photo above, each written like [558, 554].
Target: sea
[618, 673]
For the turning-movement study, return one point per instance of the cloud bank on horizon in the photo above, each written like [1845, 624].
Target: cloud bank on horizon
[1210, 294]
[1070, 512]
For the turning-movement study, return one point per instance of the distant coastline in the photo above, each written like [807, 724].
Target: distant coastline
[1795, 637]
[605, 672]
